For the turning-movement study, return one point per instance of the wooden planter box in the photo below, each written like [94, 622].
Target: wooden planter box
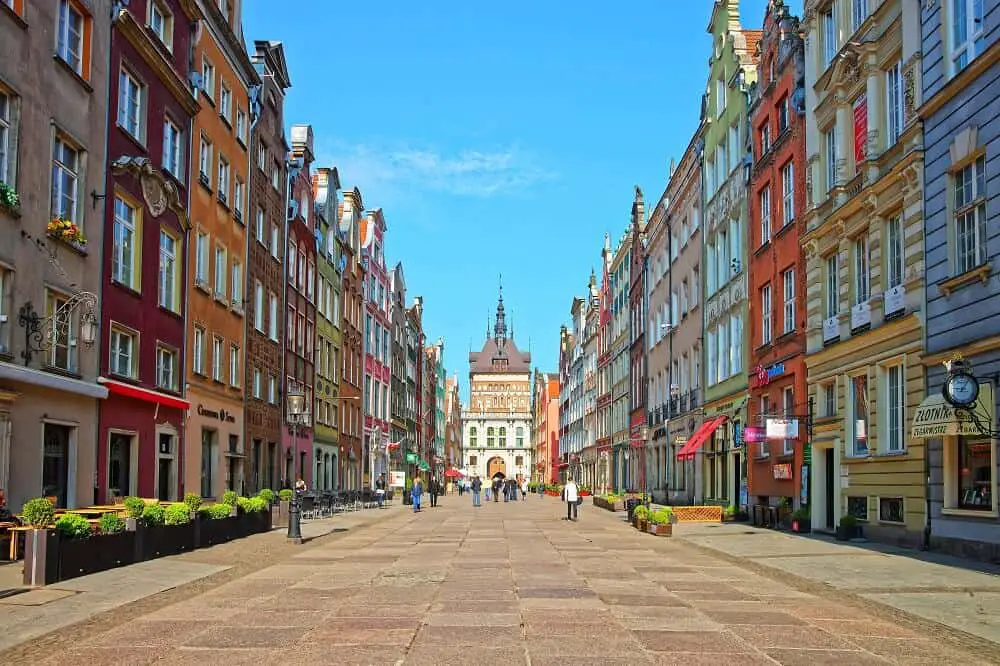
[279, 513]
[212, 532]
[642, 525]
[50, 558]
[661, 530]
[153, 542]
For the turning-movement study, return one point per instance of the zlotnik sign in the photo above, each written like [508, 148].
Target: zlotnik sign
[936, 418]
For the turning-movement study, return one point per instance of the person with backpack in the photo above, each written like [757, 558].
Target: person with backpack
[572, 498]
[477, 486]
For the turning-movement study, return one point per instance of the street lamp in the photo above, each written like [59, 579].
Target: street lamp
[42, 332]
[295, 401]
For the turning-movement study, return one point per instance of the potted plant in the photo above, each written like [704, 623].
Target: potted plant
[77, 556]
[661, 522]
[66, 231]
[216, 524]
[284, 502]
[40, 565]
[193, 502]
[9, 198]
[848, 528]
[134, 508]
[640, 517]
[230, 499]
[115, 544]
[801, 522]
[729, 515]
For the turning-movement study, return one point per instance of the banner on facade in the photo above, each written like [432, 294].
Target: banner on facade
[936, 418]
[782, 471]
[782, 428]
[753, 434]
[411, 458]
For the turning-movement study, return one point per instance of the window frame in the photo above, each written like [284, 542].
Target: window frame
[78, 62]
[764, 200]
[788, 193]
[894, 408]
[119, 255]
[162, 351]
[61, 170]
[788, 286]
[176, 147]
[8, 136]
[198, 351]
[167, 16]
[766, 314]
[174, 304]
[975, 206]
[126, 116]
[123, 332]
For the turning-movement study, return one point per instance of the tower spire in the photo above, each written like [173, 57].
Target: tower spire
[500, 327]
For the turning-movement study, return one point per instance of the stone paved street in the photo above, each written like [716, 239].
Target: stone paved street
[510, 584]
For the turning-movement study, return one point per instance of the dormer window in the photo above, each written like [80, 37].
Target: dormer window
[161, 22]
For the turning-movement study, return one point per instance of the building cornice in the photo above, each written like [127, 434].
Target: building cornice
[961, 82]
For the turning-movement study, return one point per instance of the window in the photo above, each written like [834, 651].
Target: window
[239, 196]
[198, 351]
[975, 478]
[208, 78]
[788, 193]
[6, 137]
[161, 22]
[765, 138]
[172, 154]
[223, 179]
[257, 383]
[166, 368]
[71, 36]
[966, 32]
[829, 399]
[205, 161]
[832, 287]
[217, 358]
[261, 156]
[830, 139]
[226, 103]
[169, 276]
[734, 146]
[969, 185]
[276, 176]
[859, 415]
[201, 260]
[472, 436]
[829, 24]
[890, 510]
[894, 103]
[720, 97]
[272, 389]
[783, 114]
[241, 126]
[765, 215]
[6, 294]
[274, 242]
[65, 176]
[124, 352]
[272, 317]
[258, 306]
[789, 280]
[894, 252]
[490, 437]
[736, 348]
[765, 410]
[766, 314]
[131, 100]
[723, 339]
[857, 506]
[61, 344]
[859, 12]
[258, 225]
[895, 404]
[862, 283]
[234, 365]
[236, 287]
[124, 253]
[788, 405]
[502, 438]
[220, 272]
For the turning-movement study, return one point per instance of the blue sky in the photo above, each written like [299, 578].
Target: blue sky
[497, 137]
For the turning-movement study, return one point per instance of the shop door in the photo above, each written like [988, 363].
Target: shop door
[163, 486]
[55, 464]
[119, 465]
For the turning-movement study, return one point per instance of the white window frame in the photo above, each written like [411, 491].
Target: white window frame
[236, 286]
[166, 368]
[67, 161]
[969, 215]
[830, 143]
[198, 351]
[225, 102]
[894, 252]
[969, 43]
[720, 96]
[239, 195]
[862, 270]
[859, 12]
[765, 214]
[830, 38]
[894, 407]
[788, 278]
[788, 194]
[272, 318]
[258, 306]
[125, 263]
[168, 282]
[241, 126]
[165, 30]
[258, 225]
[736, 346]
[218, 362]
[234, 365]
[131, 105]
[788, 411]
[766, 314]
[173, 148]
[223, 183]
[207, 77]
[221, 258]
[7, 132]
[894, 105]
[205, 161]
[117, 353]
[71, 31]
[832, 285]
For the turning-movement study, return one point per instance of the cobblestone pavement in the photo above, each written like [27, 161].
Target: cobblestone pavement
[502, 584]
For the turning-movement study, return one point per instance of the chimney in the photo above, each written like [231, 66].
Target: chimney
[302, 142]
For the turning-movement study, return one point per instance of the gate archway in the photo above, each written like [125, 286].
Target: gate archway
[495, 465]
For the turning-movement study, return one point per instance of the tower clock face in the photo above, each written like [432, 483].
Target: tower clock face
[961, 389]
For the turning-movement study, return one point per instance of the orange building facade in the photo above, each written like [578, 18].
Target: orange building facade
[545, 436]
[778, 409]
[219, 163]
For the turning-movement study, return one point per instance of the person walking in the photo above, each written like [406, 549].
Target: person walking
[477, 486]
[496, 489]
[416, 492]
[461, 487]
[380, 489]
[572, 497]
[435, 489]
[524, 489]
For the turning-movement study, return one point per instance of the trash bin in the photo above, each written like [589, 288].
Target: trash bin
[407, 500]
[630, 505]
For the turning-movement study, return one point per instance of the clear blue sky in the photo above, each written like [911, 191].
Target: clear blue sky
[497, 137]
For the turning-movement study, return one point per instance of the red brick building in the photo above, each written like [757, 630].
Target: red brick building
[776, 433]
[141, 423]
[352, 343]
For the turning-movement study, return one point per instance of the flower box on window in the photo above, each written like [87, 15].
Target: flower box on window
[68, 232]
[9, 198]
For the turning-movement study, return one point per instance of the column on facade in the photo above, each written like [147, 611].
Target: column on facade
[845, 140]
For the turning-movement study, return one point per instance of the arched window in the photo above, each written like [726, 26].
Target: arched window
[472, 435]
[503, 438]
[490, 441]
[520, 437]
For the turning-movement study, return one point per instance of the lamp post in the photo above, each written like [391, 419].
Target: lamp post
[42, 332]
[295, 401]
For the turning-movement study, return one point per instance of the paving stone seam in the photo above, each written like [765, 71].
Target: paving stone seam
[955, 637]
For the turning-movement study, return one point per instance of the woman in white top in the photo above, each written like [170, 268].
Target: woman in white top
[572, 498]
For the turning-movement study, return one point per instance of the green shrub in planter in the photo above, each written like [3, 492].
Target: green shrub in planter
[244, 504]
[112, 523]
[73, 526]
[38, 513]
[640, 512]
[848, 521]
[285, 494]
[801, 514]
[267, 495]
[217, 511]
[193, 502]
[177, 513]
[664, 516]
[153, 515]
[135, 507]
[258, 505]
[731, 511]
[230, 497]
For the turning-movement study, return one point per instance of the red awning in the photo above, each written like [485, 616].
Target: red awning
[688, 451]
[144, 394]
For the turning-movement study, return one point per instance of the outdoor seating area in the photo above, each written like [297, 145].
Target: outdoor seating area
[323, 504]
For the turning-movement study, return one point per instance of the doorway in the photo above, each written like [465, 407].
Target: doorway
[120, 465]
[828, 489]
[163, 487]
[494, 466]
[55, 463]
[738, 476]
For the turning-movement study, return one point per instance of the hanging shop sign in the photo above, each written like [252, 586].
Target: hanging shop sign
[782, 471]
[411, 458]
[753, 434]
[782, 428]
[763, 376]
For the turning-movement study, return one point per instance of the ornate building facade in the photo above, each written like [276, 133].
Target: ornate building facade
[497, 422]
